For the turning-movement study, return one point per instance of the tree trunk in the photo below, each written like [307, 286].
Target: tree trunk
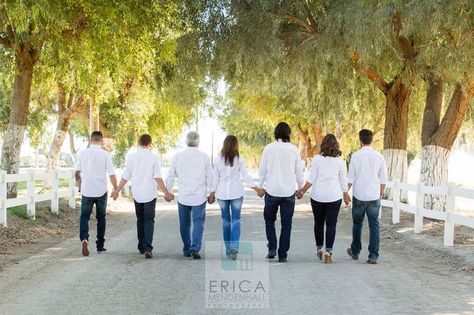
[17, 120]
[94, 122]
[318, 138]
[397, 98]
[438, 135]
[304, 143]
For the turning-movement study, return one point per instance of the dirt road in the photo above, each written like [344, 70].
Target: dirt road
[59, 280]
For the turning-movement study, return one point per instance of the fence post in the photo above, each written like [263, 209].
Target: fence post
[396, 201]
[30, 192]
[419, 208]
[3, 198]
[72, 191]
[450, 208]
[54, 190]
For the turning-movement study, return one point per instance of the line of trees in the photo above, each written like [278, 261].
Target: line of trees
[402, 68]
[113, 66]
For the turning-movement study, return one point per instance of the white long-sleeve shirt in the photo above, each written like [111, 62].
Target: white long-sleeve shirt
[281, 169]
[95, 164]
[143, 167]
[193, 170]
[328, 177]
[367, 171]
[227, 180]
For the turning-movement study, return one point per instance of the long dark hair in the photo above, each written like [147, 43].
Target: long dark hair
[230, 149]
[330, 146]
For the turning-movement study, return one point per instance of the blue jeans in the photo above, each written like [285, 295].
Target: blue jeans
[359, 210]
[287, 208]
[198, 214]
[230, 213]
[87, 203]
[145, 224]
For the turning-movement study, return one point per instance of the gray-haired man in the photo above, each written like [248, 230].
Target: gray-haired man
[193, 170]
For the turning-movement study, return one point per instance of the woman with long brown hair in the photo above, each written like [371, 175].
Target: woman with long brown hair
[229, 175]
[329, 180]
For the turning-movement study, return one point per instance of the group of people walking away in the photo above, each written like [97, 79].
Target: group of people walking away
[281, 182]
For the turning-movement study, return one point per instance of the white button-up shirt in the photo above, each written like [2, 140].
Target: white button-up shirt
[95, 164]
[227, 180]
[281, 169]
[193, 170]
[143, 167]
[367, 171]
[328, 177]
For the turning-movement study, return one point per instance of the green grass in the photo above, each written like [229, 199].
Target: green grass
[19, 211]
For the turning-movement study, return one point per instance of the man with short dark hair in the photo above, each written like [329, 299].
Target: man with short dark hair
[144, 170]
[281, 174]
[92, 166]
[368, 177]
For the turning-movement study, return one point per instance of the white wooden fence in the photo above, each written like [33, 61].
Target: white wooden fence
[449, 217]
[31, 197]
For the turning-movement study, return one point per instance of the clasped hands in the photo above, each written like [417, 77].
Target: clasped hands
[347, 199]
[115, 194]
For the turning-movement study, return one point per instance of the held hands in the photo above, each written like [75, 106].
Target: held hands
[347, 199]
[169, 196]
[211, 198]
[260, 191]
[300, 193]
[115, 194]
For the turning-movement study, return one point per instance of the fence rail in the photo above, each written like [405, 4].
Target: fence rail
[451, 192]
[31, 197]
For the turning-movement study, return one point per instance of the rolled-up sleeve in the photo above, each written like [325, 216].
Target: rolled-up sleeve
[352, 171]
[343, 176]
[78, 164]
[109, 168]
[313, 172]
[127, 172]
[244, 174]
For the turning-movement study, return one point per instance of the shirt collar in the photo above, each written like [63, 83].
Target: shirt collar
[95, 146]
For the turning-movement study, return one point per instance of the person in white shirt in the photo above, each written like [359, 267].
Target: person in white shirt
[193, 170]
[368, 177]
[281, 174]
[92, 167]
[229, 173]
[144, 170]
[328, 178]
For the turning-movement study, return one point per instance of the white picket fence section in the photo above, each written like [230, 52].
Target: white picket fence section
[449, 217]
[31, 197]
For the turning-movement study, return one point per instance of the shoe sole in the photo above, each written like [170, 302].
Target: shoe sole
[349, 252]
[85, 250]
[148, 255]
[372, 262]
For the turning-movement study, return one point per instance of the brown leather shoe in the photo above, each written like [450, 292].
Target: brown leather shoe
[148, 255]
[85, 249]
[372, 261]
